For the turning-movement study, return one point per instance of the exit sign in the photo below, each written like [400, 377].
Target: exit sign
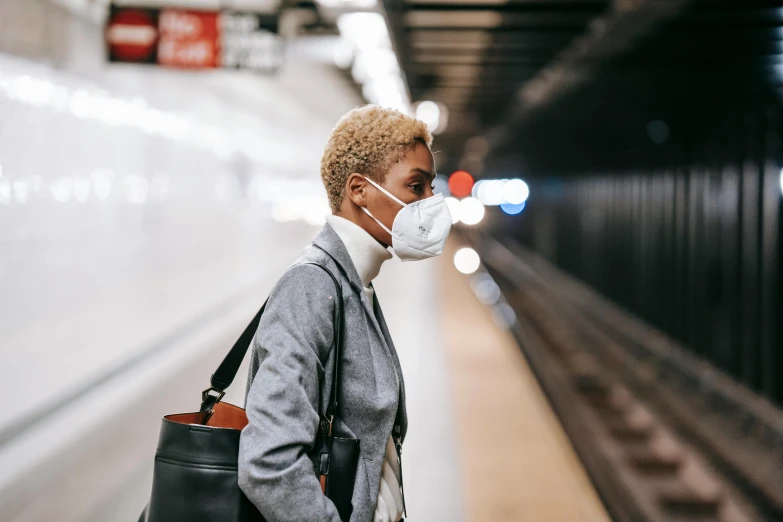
[193, 39]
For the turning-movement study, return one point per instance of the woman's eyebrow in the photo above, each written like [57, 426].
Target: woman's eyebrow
[429, 175]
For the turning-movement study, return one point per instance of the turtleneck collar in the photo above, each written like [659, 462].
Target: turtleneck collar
[366, 253]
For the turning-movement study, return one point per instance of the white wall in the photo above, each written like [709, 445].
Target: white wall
[134, 199]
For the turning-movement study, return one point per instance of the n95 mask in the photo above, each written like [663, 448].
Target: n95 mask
[420, 229]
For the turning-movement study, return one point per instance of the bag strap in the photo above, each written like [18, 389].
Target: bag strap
[227, 371]
[338, 322]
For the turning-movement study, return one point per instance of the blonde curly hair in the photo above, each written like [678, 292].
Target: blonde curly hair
[368, 140]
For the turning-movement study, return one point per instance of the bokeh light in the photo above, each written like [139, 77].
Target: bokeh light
[485, 288]
[492, 192]
[453, 204]
[429, 113]
[516, 191]
[471, 211]
[461, 184]
[512, 209]
[466, 260]
[440, 185]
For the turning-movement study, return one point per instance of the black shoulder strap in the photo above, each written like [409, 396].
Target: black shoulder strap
[227, 371]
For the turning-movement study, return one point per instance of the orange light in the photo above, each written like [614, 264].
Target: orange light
[461, 184]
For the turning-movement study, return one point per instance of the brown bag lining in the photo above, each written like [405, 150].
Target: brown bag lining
[225, 415]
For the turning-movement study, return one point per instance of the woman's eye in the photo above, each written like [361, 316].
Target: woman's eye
[416, 187]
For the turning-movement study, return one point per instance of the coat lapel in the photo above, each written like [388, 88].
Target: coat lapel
[328, 241]
[403, 417]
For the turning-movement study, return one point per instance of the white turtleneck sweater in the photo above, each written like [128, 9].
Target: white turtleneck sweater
[368, 255]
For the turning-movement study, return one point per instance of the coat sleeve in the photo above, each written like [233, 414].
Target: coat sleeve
[293, 339]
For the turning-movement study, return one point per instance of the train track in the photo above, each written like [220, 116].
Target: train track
[663, 435]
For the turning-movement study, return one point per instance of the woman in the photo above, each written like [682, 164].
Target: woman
[378, 171]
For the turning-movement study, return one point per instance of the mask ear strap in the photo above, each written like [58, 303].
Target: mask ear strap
[392, 196]
[378, 221]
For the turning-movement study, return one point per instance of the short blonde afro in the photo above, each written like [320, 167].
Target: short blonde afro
[368, 140]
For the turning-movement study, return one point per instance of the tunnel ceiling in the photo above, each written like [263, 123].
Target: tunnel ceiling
[555, 85]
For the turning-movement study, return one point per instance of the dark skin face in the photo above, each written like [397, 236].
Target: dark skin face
[410, 180]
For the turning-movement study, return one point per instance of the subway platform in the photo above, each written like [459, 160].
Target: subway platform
[483, 442]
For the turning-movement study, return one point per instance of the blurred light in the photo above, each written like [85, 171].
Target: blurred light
[62, 189]
[41, 86]
[440, 185]
[516, 191]
[444, 119]
[781, 181]
[461, 183]
[504, 315]
[81, 189]
[481, 190]
[453, 204]
[348, 4]
[429, 113]
[512, 209]
[471, 211]
[434, 115]
[373, 64]
[364, 30]
[317, 209]
[5, 191]
[387, 91]
[101, 183]
[487, 291]
[493, 193]
[466, 260]
[34, 91]
[343, 54]
[476, 187]
[21, 191]
[136, 190]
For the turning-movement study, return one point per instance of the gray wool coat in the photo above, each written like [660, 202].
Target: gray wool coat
[291, 355]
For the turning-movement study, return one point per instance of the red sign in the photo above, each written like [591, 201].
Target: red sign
[132, 35]
[188, 39]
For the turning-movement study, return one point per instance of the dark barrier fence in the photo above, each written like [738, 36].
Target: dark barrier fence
[692, 247]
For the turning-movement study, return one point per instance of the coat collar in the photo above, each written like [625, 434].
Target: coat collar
[328, 241]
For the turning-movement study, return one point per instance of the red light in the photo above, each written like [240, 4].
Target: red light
[461, 184]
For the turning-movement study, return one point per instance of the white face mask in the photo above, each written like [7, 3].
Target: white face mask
[420, 229]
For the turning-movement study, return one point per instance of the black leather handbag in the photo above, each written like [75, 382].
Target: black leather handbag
[195, 473]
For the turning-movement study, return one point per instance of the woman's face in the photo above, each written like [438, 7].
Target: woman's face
[410, 180]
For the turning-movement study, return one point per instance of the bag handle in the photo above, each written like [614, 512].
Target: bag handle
[227, 371]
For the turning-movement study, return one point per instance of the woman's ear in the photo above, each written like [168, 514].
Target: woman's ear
[355, 188]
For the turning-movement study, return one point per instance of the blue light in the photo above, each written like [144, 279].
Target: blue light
[512, 209]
